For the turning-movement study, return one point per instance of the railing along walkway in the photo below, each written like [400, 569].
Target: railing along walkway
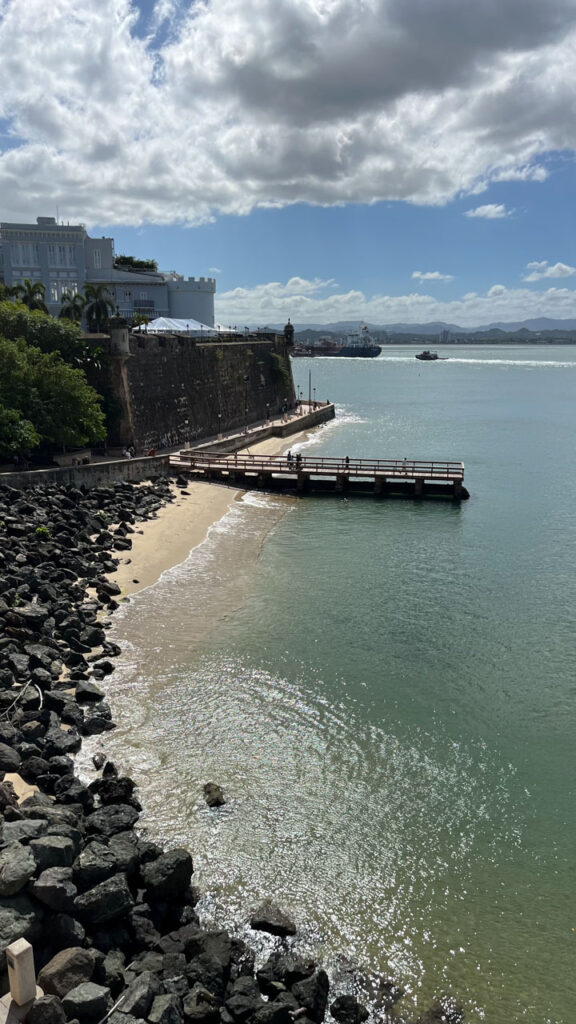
[282, 465]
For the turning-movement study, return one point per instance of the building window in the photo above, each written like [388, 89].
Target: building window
[97, 259]
[51, 255]
[54, 296]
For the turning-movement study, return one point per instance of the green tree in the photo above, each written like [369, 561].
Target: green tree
[72, 307]
[32, 294]
[98, 306]
[135, 263]
[17, 435]
[51, 399]
[44, 331]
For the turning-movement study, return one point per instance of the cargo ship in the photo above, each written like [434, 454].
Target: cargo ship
[358, 344]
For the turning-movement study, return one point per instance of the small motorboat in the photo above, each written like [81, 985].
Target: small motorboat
[427, 355]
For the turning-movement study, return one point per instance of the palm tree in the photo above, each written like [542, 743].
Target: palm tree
[72, 307]
[5, 292]
[32, 294]
[97, 306]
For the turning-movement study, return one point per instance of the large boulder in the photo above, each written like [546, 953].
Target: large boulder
[17, 866]
[168, 876]
[165, 1009]
[87, 1002]
[55, 888]
[10, 759]
[57, 742]
[107, 821]
[46, 1010]
[269, 918]
[347, 1010]
[200, 1007]
[312, 994]
[93, 865]
[20, 918]
[285, 969]
[52, 851]
[244, 999]
[107, 901]
[138, 997]
[68, 969]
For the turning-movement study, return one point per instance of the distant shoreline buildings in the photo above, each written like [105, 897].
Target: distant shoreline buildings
[64, 258]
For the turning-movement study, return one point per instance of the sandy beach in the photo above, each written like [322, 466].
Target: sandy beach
[167, 541]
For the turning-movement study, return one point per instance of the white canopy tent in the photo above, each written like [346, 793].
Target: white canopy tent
[166, 325]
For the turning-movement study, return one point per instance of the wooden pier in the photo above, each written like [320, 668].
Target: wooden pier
[307, 474]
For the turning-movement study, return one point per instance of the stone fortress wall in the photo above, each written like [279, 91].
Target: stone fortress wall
[177, 389]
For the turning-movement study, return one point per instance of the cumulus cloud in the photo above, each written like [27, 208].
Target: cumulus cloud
[226, 105]
[431, 275]
[541, 268]
[492, 211]
[316, 302]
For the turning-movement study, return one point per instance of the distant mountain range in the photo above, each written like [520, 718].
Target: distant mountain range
[342, 326]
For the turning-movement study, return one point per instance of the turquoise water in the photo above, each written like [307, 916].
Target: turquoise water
[386, 690]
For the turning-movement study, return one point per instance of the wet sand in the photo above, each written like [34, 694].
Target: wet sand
[161, 543]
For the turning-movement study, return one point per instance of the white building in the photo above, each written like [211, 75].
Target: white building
[64, 258]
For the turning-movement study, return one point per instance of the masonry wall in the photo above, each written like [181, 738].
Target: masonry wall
[176, 389]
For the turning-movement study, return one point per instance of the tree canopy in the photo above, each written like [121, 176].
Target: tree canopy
[44, 331]
[44, 400]
[135, 263]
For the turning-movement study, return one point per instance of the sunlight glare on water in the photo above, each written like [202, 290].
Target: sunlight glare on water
[385, 691]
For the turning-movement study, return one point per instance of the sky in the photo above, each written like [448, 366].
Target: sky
[374, 160]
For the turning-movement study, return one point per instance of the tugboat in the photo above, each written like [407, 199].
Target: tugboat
[427, 355]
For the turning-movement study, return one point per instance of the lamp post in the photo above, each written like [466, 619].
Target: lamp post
[267, 412]
[246, 404]
[219, 426]
[314, 390]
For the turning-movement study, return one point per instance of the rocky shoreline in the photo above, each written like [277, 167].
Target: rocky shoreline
[110, 915]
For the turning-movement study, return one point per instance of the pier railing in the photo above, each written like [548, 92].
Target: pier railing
[409, 469]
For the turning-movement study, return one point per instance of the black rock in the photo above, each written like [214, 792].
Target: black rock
[200, 1007]
[65, 932]
[107, 901]
[10, 759]
[214, 794]
[167, 876]
[52, 851]
[243, 999]
[20, 917]
[269, 918]
[88, 1002]
[57, 742]
[347, 1010]
[111, 972]
[165, 1009]
[107, 821]
[88, 692]
[67, 969]
[46, 1010]
[284, 968]
[55, 889]
[312, 994]
[140, 994]
[17, 867]
[94, 864]
[113, 791]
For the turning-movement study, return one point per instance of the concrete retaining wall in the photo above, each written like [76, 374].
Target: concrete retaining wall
[93, 474]
[133, 470]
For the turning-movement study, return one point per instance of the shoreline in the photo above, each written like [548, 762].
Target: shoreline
[111, 915]
[164, 542]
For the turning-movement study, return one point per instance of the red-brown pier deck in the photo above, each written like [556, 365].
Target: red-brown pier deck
[305, 474]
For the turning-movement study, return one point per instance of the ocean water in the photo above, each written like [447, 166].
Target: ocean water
[386, 691]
